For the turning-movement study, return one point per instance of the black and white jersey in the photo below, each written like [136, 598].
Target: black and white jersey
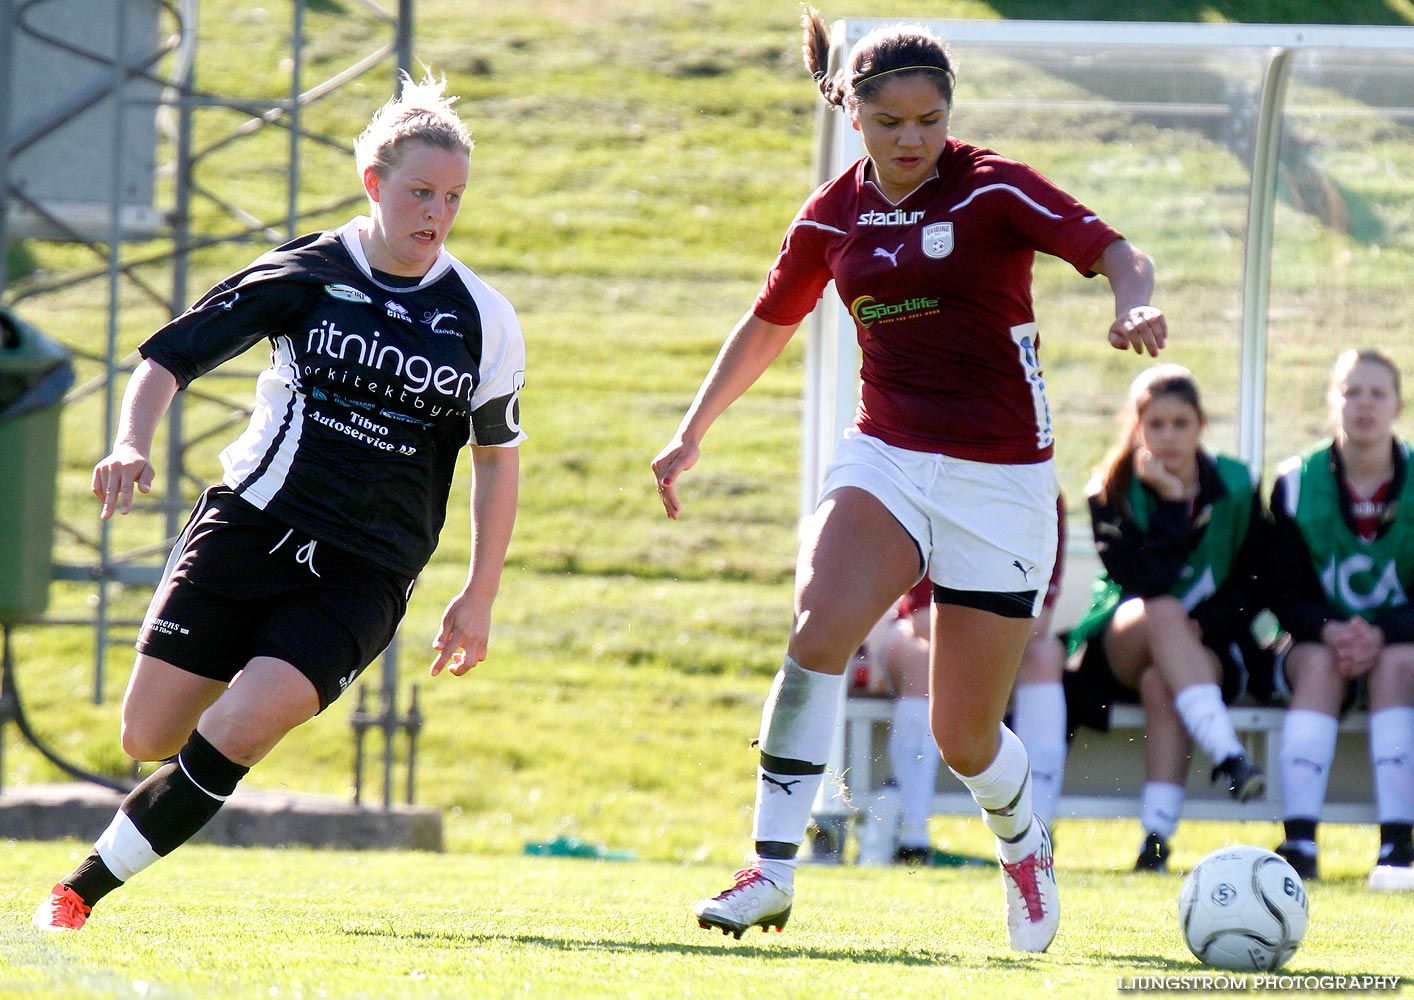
[371, 392]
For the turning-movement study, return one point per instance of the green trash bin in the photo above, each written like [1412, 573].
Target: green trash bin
[35, 372]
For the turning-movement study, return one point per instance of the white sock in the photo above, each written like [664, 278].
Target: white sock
[1038, 718]
[1160, 807]
[1205, 717]
[1392, 750]
[797, 724]
[914, 757]
[1003, 790]
[1307, 750]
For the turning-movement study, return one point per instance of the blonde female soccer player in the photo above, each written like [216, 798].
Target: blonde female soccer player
[1342, 568]
[388, 358]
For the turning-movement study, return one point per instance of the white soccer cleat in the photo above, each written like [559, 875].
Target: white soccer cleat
[1392, 878]
[1032, 900]
[754, 901]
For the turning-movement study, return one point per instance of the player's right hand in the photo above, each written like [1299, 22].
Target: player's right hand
[1142, 329]
[115, 477]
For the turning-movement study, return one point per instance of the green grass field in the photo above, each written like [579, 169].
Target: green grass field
[331, 924]
[636, 163]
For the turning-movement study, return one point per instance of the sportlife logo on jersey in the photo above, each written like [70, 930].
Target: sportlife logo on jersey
[868, 310]
[898, 217]
[347, 293]
[937, 240]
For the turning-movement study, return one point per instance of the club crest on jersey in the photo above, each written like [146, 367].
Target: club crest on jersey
[937, 240]
[396, 311]
[347, 293]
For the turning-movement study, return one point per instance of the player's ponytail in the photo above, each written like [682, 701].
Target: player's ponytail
[886, 52]
[817, 58]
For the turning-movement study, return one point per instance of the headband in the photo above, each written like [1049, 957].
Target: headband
[901, 69]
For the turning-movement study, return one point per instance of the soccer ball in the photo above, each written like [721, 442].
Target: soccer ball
[1243, 908]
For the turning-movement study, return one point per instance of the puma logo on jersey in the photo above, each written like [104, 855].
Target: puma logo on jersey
[1025, 570]
[892, 257]
[782, 785]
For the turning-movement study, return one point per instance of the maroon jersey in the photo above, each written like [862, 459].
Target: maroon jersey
[939, 286]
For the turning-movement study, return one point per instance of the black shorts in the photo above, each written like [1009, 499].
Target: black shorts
[1091, 687]
[240, 584]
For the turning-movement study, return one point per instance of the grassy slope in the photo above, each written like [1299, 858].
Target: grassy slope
[636, 164]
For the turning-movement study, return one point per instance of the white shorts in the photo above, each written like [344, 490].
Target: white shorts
[986, 533]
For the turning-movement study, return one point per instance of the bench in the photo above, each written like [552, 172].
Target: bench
[1104, 772]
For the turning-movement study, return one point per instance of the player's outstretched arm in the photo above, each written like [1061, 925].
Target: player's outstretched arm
[1138, 325]
[466, 624]
[748, 351]
[145, 401]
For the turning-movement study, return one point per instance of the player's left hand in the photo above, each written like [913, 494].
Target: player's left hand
[461, 644]
[1142, 328]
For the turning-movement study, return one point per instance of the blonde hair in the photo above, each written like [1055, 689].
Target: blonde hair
[420, 113]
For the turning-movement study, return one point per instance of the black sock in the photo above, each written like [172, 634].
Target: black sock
[181, 796]
[1300, 829]
[158, 816]
[91, 879]
[1399, 838]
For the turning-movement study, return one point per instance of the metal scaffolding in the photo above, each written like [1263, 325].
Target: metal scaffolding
[143, 67]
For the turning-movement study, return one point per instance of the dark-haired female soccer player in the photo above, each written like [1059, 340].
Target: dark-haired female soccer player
[1179, 532]
[388, 357]
[948, 471]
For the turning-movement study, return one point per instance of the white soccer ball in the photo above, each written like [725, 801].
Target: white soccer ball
[1243, 908]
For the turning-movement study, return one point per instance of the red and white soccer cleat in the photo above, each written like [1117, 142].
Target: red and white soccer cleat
[62, 911]
[1032, 900]
[754, 901]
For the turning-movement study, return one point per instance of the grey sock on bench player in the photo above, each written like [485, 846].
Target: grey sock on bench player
[1204, 715]
[1392, 753]
[1307, 752]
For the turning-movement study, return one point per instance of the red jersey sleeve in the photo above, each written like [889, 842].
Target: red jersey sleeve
[802, 269]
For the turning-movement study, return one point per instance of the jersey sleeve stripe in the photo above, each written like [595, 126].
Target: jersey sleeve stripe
[818, 225]
[1009, 189]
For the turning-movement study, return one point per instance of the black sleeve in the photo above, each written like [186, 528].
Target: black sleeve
[227, 321]
[1289, 576]
[1236, 602]
[1143, 563]
[1397, 624]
